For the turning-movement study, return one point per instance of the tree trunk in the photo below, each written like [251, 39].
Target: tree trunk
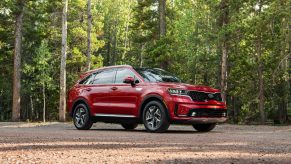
[126, 33]
[43, 96]
[289, 57]
[114, 54]
[284, 86]
[162, 25]
[108, 47]
[141, 55]
[223, 22]
[260, 72]
[261, 91]
[235, 110]
[17, 62]
[1, 105]
[62, 107]
[223, 83]
[37, 110]
[32, 108]
[125, 42]
[162, 17]
[89, 18]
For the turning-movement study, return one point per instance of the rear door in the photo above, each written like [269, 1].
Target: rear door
[101, 88]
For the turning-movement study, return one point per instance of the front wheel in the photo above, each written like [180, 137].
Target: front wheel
[204, 127]
[155, 117]
[81, 117]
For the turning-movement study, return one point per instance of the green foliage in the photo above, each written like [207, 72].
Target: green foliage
[127, 32]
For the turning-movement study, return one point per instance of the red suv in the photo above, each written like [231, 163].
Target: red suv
[152, 96]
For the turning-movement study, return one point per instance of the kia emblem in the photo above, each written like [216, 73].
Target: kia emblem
[211, 96]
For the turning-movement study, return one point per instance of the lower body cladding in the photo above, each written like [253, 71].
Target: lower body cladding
[199, 114]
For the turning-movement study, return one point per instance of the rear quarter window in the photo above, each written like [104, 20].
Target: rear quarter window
[88, 79]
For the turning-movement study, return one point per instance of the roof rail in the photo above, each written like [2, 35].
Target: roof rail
[114, 66]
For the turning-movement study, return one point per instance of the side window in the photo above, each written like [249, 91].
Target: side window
[105, 77]
[87, 80]
[122, 73]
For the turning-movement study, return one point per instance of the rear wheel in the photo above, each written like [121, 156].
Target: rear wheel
[129, 126]
[204, 127]
[155, 117]
[81, 117]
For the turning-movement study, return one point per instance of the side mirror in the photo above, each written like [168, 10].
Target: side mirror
[129, 80]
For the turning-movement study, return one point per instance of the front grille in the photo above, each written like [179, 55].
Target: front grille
[204, 96]
[207, 112]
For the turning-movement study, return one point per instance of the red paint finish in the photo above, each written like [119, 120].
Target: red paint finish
[126, 99]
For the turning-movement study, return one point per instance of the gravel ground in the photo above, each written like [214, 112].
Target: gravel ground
[109, 143]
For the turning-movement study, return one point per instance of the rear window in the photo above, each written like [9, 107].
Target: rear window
[105, 77]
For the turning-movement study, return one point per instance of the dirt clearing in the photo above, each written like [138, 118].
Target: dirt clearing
[109, 143]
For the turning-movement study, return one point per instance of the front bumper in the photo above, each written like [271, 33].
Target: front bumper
[186, 111]
[208, 120]
[201, 120]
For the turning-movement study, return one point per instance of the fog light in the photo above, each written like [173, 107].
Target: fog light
[193, 113]
[224, 114]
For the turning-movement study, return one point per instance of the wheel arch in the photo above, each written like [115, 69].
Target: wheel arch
[77, 102]
[150, 98]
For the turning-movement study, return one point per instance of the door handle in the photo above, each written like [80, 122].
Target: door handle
[88, 89]
[114, 88]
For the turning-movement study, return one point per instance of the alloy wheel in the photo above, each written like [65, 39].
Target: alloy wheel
[80, 117]
[153, 117]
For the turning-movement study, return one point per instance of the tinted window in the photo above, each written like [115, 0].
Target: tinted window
[157, 75]
[87, 80]
[122, 73]
[105, 77]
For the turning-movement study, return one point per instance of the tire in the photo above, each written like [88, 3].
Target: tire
[155, 117]
[204, 127]
[81, 117]
[129, 126]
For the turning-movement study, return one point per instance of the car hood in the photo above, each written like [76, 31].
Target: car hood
[187, 87]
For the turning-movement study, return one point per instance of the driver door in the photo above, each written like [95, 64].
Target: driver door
[124, 97]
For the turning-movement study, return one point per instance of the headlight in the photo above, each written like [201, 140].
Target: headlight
[173, 91]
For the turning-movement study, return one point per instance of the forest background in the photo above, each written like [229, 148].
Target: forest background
[242, 47]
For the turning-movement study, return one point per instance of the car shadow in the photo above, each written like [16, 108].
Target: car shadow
[145, 131]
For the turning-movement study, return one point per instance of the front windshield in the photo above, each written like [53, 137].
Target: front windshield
[157, 75]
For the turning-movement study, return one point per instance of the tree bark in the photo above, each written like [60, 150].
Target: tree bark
[284, 86]
[289, 58]
[260, 72]
[89, 19]
[125, 41]
[141, 55]
[162, 17]
[108, 46]
[126, 32]
[114, 54]
[223, 22]
[32, 107]
[62, 107]
[44, 99]
[162, 27]
[261, 91]
[1, 105]
[17, 62]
